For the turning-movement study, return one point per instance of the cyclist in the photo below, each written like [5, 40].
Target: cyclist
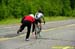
[27, 21]
[38, 21]
[38, 18]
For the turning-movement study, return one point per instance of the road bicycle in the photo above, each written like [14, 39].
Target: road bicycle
[37, 31]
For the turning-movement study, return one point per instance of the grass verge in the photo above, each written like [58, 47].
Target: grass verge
[10, 21]
[16, 21]
[58, 18]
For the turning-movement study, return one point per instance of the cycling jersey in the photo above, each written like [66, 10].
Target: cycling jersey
[38, 15]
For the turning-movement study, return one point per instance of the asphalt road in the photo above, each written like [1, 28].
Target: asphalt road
[55, 35]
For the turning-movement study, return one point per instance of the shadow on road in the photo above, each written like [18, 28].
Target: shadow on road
[12, 35]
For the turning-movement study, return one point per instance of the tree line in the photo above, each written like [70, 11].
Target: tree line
[19, 8]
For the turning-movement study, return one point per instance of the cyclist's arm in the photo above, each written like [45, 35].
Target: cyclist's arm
[43, 19]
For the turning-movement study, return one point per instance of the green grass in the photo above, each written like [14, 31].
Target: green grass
[10, 21]
[58, 18]
[16, 21]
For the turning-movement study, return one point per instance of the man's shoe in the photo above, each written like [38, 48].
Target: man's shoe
[27, 39]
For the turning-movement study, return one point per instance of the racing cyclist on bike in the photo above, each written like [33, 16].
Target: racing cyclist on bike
[38, 19]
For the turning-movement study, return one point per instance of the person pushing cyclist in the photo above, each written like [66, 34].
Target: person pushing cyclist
[27, 21]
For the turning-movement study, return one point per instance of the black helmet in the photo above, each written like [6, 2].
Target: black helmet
[40, 11]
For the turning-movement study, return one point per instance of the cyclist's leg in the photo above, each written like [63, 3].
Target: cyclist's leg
[37, 28]
[36, 23]
[40, 25]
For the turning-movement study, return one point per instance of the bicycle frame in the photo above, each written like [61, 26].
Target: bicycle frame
[37, 30]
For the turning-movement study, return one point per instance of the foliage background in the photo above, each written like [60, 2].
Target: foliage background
[19, 8]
